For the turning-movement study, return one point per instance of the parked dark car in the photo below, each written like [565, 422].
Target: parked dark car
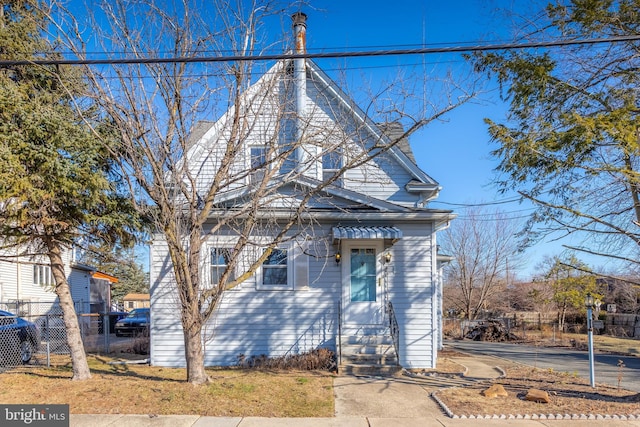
[19, 338]
[136, 323]
[112, 317]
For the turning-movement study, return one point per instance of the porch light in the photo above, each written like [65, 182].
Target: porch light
[387, 257]
[338, 257]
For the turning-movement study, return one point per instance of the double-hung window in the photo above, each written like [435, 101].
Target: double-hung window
[275, 271]
[219, 261]
[257, 163]
[331, 164]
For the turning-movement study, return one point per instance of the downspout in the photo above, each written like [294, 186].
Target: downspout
[300, 82]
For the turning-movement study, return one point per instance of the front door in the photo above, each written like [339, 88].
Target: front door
[362, 284]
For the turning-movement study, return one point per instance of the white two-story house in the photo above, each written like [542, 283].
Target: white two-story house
[364, 264]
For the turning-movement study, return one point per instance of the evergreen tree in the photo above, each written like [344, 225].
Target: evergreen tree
[56, 184]
[571, 139]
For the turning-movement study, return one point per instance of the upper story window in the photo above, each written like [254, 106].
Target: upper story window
[219, 261]
[258, 161]
[331, 164]
[275, 271]
[42, 275]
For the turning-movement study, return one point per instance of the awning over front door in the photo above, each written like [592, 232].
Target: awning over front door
[375, 232]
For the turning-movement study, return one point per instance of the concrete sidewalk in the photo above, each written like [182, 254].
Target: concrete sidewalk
[362, 402]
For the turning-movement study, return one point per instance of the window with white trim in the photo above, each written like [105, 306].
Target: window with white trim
[42, 275]
[331, 164]
[257, 163]
[275, 273]
[220, 258]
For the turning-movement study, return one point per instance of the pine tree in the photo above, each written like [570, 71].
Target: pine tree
[56, 184]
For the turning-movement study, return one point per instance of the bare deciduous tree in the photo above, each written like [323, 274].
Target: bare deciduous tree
[198, 192]
[484, 247]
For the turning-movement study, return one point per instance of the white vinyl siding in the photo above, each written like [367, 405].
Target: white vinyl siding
[25, 279]
[412, 293]
[249, 321]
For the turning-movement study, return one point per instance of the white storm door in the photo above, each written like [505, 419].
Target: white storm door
[362, 290]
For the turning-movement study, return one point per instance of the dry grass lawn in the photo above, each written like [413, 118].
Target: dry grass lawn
[143, 389]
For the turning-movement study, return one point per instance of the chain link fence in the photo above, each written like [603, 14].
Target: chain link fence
[34, 334]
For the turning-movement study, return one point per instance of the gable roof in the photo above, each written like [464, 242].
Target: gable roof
[408, 163]
[420, 182]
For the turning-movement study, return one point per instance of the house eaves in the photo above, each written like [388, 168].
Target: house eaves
[351, 195]
[441, 218]
[312, 184]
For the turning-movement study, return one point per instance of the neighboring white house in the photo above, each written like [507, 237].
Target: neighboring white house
[373, 242]
[26, 283]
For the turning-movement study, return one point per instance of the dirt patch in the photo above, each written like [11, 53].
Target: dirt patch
[444, 365]
[569, 395]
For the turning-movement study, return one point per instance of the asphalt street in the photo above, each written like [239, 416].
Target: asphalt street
[560, 359]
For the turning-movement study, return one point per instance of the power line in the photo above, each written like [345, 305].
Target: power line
[471, 205]
[385, 52]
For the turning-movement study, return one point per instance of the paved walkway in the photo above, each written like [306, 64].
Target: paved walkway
[364, 402]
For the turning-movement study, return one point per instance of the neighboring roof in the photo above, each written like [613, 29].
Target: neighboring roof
[136, 297]
[101, 275]
[82, 267]
[395, 131]
[198, 131]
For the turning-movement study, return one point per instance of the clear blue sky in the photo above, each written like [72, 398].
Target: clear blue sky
[455, 151]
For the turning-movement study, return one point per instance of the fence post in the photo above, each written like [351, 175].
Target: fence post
[106, 330]
[539, 321]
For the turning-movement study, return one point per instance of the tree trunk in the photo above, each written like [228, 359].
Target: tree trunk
[561, 317]
[79, 363]
[194, 353]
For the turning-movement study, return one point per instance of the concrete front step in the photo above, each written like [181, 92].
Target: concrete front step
[369, 354]
[383, 339]
[370, 370]
[367, 349]
[372, 358]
